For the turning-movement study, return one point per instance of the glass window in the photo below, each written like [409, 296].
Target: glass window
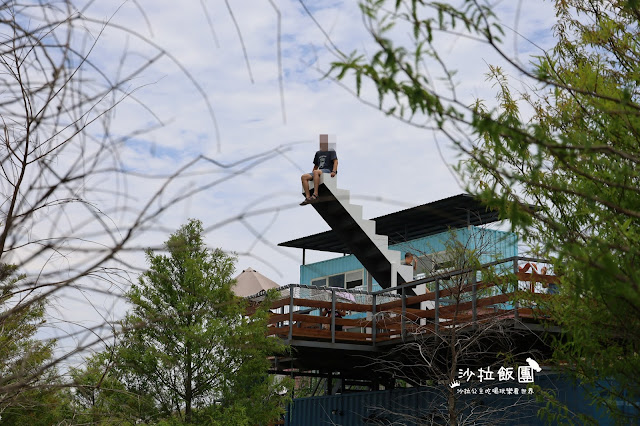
[336, 281]
[435, 262]
[354, 278]
[354, 284]
[320, 283]
[424, 266]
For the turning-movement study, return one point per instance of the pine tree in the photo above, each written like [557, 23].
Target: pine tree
[188, 343]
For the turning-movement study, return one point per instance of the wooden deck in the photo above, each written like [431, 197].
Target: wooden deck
[378, 325]
[387, 316]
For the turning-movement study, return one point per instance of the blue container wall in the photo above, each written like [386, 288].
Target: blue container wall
[422, 406]
[339, 265]
[490, 244]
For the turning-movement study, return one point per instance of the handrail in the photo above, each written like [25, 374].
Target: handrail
[402, 310]
[426, 280]
[449, 274]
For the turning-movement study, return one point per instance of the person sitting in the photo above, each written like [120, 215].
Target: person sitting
[325, 161]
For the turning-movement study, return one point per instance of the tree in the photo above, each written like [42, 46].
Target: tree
[100, 397]
[188, 343]
[59, 156]
[465, 339]
[69, 206]
[24, 391]
[568, 143]
[46, 405]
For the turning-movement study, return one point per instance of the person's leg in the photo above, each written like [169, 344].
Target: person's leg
[305, 184]
[316, 181]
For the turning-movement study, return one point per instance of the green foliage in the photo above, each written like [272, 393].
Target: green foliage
[48, 404]
[27, 387]
[188, 342]
[556, 413]
[100, 397]
[577, 159]
[569, 144]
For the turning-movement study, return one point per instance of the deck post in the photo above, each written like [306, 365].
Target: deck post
[290, 312]
[333, 315]
[404, 313]
[437, 317]
[373, 322]
[516, 304]
[281, 323]
[474, 297]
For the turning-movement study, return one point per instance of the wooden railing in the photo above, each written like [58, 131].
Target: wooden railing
[388, 314]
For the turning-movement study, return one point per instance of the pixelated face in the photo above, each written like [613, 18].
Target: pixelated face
[324, 142]
[327, 142]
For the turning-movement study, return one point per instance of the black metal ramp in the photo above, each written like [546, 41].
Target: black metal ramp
[359, 235]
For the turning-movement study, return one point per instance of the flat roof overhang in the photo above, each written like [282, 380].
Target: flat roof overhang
[410, 224]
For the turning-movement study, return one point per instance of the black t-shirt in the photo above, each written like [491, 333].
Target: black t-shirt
[324, 159]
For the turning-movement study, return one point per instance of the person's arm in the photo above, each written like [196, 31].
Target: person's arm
[335, 168]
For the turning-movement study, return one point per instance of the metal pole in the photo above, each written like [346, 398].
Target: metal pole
[290, 312]
[404, 313]
[474, 297]
[373, 323]
[516, 304]
[437, 318]
[282, 311]
[333, 315]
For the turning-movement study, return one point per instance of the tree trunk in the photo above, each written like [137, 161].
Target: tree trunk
[451, 393]
[188, 395]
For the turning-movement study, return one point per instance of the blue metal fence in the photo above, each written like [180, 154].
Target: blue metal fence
[428, 405]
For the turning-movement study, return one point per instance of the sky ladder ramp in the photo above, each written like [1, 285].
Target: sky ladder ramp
[359, 234]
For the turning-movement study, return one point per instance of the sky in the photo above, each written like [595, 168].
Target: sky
[379, 156]
[201, 98]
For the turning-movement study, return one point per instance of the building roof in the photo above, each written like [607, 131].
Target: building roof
[250, 282]
[410, 224]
